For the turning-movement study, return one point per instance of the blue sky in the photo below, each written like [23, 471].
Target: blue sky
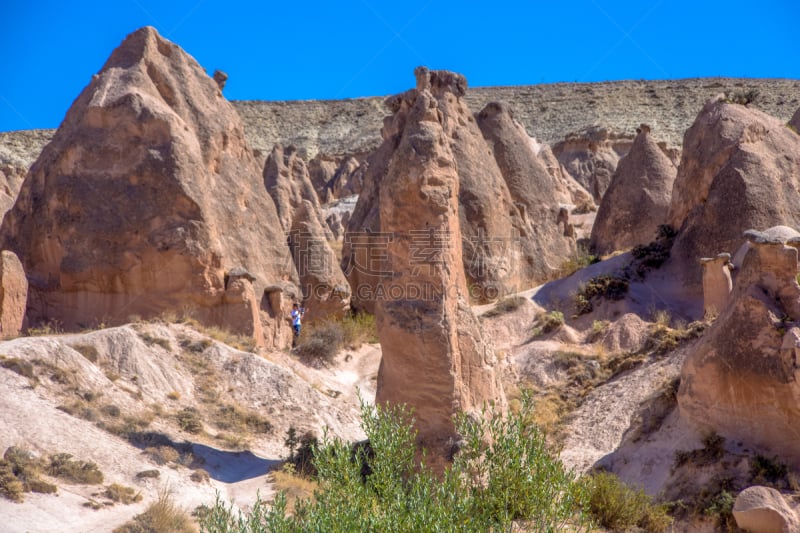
[349, 48]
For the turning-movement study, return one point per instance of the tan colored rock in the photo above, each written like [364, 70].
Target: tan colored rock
[326, 293]
[637, 200]
[13, 295]
[764, 510]
[795, 122]
[435, 358]
[288, 182]
[740, 169]
[628, 333]
[510, 237]
[740, 379]
[569, 190]
[146, 198]
[717, 283]
[591, 156]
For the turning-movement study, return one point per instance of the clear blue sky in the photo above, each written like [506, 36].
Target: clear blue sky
[348, 48]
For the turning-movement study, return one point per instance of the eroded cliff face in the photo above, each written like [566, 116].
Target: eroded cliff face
[435, 358]
[146, 199]
[741, 379]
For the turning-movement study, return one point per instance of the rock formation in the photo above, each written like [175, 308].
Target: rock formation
[740, 379]
[287, 181]
[510, 237]
[637, 200]
[13, 294]
[570, 192]
[764, 510]
[435, 358]
[740, 169]
[221, 78]
[794, 122]
[325, 289]
[717, 283]
[146, 199]
[591, 157]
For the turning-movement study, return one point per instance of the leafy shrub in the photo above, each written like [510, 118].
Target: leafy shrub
[765, 470]
[611, 287]
[620, 507]
[547, 322]
[502, 473]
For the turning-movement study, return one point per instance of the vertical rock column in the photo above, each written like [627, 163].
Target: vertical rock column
[435, 359]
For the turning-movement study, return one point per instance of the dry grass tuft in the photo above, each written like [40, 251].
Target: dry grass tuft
[294, 486]
[62, 465]
[121, 494]
[163, 515]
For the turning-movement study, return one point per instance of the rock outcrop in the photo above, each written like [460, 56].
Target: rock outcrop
[13, 294]
[146, 199]
[326, 293]
[764, 510]
[794, 122]
[638, 198]
[510, 236]
[740, 169]
[435, 358]
[740, 379]
[591, 157]
[288, 182]
[717, 283]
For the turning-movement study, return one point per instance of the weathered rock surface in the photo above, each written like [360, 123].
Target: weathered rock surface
[146, 197]
[288, 182]
[570, 191]
[764, 510]
[511, 236]
[740, 379]
[637, 199]
[740, 169]
[326, 293]
[717, 283]
[435, 358]
[13, 294]
[794, 122]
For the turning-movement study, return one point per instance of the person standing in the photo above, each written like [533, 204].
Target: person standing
[297, 319]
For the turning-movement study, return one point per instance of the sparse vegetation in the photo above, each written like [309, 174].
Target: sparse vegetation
[243, 343]
[62, 465]
[233, 417]
[88, 351]
[163, 515]
[20, 472]
[20, 366]
[148, 474]
[663, 338]
[319, 343]
[547, 322]
[189, 420]
[621, 508]
[200, 476]
[580, 259]
[150, 340]
[611, 287]
[503, 472]
[121, 494]
[505, 306]
[743, 97]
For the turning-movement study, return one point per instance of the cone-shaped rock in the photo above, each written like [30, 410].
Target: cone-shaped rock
[435, 358]
[146, 198]
[326, 293]
[637, 201]
[740, 169]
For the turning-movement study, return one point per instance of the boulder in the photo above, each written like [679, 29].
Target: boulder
[740, 378]
[740, 169]
[637, 200]
[435, 357]
[764, 510]
[795, 122]
[147, 196]
[13, 294]
[326, 293]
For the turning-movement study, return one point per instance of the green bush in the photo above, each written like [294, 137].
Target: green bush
[611, 287]
[502, 473]
[547, 322]
[620, 507]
